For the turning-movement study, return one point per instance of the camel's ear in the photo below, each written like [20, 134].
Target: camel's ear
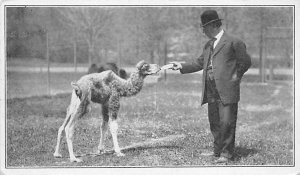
[140, 64]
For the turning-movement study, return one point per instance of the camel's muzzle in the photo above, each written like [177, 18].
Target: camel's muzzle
[153, 69]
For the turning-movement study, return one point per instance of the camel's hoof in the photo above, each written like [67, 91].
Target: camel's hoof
[57, 155]
[75, 160]
[101, 151]
[119, 154]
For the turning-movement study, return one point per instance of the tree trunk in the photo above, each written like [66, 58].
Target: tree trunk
[75, 55]
[119, 52]
[165, 58]
[261, 53]
[48, 63]
[90, 41]
[137, 49]
[226, 17]
[271, 72]
[91, 53]
[152, 56]
[105, 55]
[261, 45]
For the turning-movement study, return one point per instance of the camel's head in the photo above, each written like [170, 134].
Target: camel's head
[147, 69]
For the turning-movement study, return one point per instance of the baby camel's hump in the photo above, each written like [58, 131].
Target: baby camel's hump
[98, 84]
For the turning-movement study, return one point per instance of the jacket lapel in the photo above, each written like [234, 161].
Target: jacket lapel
[220, 44]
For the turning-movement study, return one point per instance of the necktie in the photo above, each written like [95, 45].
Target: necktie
[211, 45]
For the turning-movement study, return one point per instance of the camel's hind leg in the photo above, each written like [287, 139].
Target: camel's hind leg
[69, 129]
[76, 109]
[80, 108]
[104, 128]
[59, 135]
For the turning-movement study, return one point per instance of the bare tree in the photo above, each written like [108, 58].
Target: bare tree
[87, 22]
[262, 19]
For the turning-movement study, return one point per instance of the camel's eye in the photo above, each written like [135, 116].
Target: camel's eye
[145, 67]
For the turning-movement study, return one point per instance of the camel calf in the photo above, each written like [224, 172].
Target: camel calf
[105, 88]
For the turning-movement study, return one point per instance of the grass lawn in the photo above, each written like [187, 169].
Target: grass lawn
[21, 84]
[264, 133]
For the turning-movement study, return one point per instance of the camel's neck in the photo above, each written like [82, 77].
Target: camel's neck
[133, 85]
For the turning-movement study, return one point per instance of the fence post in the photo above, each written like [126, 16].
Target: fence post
[48, 63]
[271, 72]
[75, 55]
[165, 59]
[264, 58]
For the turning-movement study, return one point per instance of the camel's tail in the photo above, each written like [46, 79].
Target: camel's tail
[77, 89]
[79, 101]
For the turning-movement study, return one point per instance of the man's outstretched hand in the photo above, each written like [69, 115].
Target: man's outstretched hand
[174, 65]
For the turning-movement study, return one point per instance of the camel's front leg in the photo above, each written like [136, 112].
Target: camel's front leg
[113, 125]
[103, 130]
[114, 106]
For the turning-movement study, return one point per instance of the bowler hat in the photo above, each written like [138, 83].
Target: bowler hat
[208, 17]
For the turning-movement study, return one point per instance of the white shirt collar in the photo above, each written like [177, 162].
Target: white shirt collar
[218, 37]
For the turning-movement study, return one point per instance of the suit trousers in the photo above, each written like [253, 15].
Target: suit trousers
[222, 120]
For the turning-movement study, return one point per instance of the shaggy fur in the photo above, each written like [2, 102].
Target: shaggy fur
[105, 88]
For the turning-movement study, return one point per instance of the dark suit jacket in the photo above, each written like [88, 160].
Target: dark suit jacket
[230, 62]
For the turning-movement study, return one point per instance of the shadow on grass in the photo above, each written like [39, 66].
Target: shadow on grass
[126, 150]
[244, 152]
[151, 147]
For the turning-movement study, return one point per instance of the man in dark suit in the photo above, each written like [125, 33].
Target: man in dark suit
[224, 61]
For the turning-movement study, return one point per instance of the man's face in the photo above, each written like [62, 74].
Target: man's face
[208, 30]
